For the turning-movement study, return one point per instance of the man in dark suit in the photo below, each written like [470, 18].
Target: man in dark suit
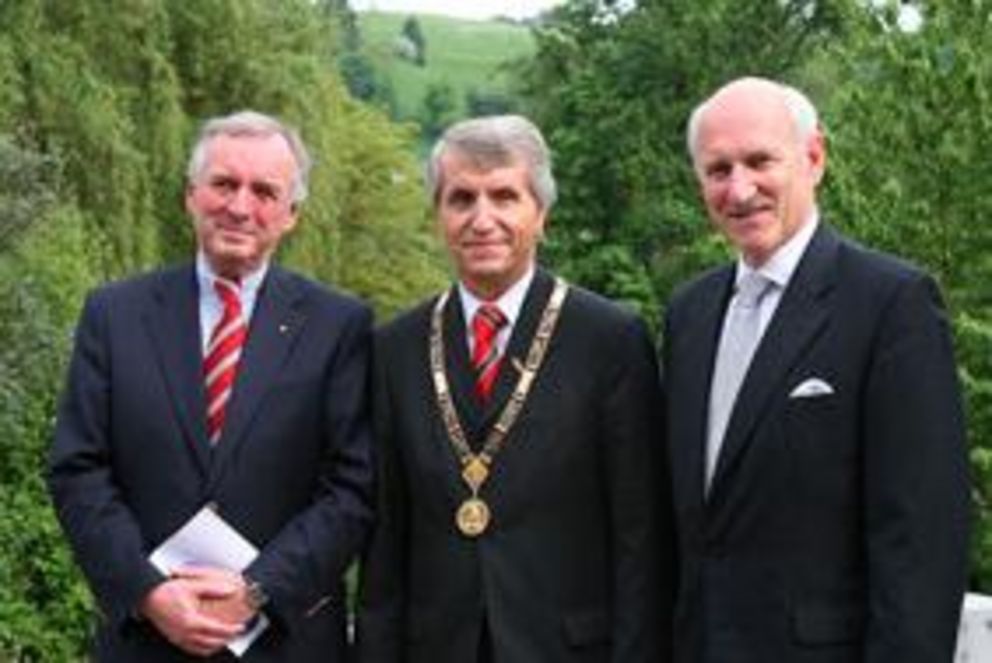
[820, 479]
[231, 383]
[523, 510]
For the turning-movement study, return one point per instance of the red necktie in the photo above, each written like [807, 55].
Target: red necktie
[486, 323]
[223, 353]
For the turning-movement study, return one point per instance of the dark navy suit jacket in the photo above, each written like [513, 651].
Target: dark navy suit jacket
[131, 463]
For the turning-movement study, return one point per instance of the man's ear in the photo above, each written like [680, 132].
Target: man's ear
[816, 153]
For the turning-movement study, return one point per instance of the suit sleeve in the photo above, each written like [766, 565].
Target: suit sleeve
[308, 557]
[640, 501]
[915, 483]
[102, 531]
[381, 611]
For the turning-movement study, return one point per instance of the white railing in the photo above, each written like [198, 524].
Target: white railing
[975, 634]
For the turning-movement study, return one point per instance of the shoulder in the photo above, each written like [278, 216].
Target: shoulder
[320, 296]
[596, 310]
[602, 327]
[863, 262]
[138, 288]
[702, 284]
[878, 279]
[412, 323]
[699, 291]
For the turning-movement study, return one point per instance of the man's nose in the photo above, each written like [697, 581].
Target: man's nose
[483, 214]
[740, 186]
[240, 202]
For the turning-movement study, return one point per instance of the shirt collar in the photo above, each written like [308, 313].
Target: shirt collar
[780, 267]
[510, 302]
[250, 284]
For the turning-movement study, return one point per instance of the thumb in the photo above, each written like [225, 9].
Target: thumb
[212, 588]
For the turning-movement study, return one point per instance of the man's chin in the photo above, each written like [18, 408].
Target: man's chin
[233, 260]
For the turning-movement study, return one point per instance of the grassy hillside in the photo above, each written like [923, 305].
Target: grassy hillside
[465, 54]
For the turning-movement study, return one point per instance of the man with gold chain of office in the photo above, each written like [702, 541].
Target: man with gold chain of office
[524, 500]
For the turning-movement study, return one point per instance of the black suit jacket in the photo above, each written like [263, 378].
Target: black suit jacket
[131, 463]
[836, 526]
[576, 565]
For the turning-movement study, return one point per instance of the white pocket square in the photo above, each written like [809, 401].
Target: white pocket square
[811, 388]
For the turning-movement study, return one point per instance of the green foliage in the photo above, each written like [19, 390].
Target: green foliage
[914, 143]
[438, 110]
[974, 340]
[613, 91]
[25, 191]
[43, 604]
[481, 102]
[413, 34]
[466, 55]
[911, 174]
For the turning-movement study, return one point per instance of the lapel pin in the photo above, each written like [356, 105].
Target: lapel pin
[283, 328]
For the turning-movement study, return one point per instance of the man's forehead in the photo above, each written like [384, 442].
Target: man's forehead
[262, 146]
[465, 167]
[265, 156]
[481, 158]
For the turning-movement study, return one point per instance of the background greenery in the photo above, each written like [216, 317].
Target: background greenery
[99, 100]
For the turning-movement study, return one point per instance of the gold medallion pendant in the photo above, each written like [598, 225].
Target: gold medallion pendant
[472, 517]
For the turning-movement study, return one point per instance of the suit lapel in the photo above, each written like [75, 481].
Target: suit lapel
[458, 366]
[520, 339]
[696, 355]
[173, 324]
[801, 314]
[275, 326]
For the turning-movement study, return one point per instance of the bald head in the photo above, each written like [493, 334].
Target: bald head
[772, 96]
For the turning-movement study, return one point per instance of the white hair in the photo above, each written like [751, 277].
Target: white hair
[495, 141]
[251, 123]
[803, 112]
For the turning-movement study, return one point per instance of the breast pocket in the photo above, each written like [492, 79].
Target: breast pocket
[820, 427]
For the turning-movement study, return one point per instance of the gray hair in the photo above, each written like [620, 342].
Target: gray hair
[803, 112]
[491, 142]
[251, 123]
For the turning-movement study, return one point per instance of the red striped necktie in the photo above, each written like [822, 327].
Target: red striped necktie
[486, 323]
[220, 365]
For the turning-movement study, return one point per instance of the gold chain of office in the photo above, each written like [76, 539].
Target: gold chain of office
[473, 515]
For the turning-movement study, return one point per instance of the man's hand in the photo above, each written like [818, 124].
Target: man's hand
[233, 608]
[175, 607]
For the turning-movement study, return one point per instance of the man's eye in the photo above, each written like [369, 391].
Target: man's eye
[503, 196]
[265, 192]
[759, 161]
[223, 185]
[460, 198]
[717, 171]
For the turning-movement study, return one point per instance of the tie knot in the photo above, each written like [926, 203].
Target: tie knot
[229, 293]
[488, 320]
[751, 288]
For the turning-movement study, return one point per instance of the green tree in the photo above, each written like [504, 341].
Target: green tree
[438, 110]
[613, 90]
[911, 174]
[489, 102]
[415, 35]
[44, 268]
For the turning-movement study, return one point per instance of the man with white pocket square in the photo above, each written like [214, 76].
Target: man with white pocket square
[814, 418]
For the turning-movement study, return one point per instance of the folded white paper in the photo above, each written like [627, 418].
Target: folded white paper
[208, 540]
